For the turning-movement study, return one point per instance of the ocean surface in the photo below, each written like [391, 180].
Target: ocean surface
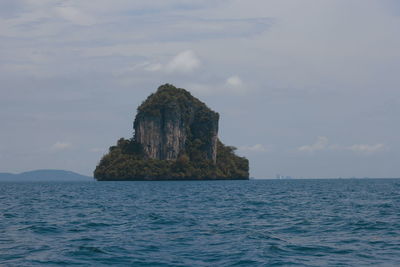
[201, 223]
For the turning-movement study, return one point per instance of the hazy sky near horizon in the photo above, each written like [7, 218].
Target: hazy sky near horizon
[306, 88]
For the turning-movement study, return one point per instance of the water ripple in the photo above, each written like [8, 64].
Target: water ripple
[211, 223]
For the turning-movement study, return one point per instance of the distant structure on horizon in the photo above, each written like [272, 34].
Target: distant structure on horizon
[279, 176]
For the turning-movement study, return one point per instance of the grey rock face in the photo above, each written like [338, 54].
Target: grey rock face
[161, 138]
[167, 130]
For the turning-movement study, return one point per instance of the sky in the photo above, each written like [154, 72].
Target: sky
[304, 88]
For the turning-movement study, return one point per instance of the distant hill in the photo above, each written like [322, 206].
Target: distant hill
[44, 175]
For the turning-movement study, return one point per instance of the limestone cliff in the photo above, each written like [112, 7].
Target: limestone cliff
[176, 137]
[169, 119]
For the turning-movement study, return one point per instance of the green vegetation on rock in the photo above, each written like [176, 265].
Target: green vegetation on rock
[175, 139]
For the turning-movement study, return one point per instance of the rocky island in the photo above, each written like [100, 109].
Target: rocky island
[175, 138]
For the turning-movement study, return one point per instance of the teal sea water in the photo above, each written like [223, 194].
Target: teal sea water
[204, 223]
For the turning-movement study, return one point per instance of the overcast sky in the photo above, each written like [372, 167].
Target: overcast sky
[306, 88]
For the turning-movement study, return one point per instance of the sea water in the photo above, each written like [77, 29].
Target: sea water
[201, 223]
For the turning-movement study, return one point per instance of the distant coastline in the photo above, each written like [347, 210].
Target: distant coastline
[44, 176]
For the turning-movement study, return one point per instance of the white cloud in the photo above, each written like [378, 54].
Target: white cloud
[235, 84]
[61, 146]
[234, 81]
[232, 85]
[367, 149]
[254, 148]
[320, 144]
[75, 16]
[153, 67]
[186, 61]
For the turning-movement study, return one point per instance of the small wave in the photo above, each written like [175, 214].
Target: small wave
[320, 250]
[96, 224]
[43, 229]
[90, 249]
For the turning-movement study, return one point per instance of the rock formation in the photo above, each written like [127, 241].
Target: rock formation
[167, 119]
[176, 137]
